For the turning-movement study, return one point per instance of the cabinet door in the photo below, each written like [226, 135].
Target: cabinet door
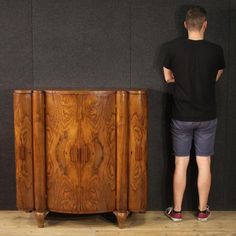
[62, 154]
[96, 139]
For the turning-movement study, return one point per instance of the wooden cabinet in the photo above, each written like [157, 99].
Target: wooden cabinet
[81, 151]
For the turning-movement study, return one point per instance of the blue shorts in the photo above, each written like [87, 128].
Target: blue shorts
[203, 134]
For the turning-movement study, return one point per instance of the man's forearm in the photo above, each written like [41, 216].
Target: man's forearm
[219, 73]
[168, 74]
[170, 80]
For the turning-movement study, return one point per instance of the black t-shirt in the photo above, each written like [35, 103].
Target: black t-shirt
[194, 64]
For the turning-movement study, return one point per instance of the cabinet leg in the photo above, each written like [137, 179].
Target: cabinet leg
[40, 216]
[121, 217]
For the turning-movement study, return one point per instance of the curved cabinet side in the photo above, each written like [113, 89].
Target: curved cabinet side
[39, 151]
[23, 150]
[137, 193]
[121, 150]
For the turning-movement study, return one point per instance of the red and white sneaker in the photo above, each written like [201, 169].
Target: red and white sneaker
[175, 216]
[203, 215]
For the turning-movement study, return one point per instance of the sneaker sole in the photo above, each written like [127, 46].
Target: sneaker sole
[174, 219]
[204, 219]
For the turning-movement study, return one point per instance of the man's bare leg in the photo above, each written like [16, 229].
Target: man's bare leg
[179, 180]
[204, 180]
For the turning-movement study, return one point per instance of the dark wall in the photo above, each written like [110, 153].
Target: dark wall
[115, 43]
[15, 72]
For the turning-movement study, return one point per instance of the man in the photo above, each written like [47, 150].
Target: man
[194, 65]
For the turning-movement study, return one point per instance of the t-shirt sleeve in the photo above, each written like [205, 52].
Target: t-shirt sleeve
[221, 59]
[167, 60]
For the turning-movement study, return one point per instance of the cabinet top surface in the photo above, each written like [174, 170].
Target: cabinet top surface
[81, 91]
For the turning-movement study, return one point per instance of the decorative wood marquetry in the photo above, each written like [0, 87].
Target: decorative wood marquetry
[81, 151]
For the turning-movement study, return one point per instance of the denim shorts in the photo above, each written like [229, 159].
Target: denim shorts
[202, 133]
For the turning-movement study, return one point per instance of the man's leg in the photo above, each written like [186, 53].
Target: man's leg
[182, 135]
[204, 139]
[204, 180]
[179, 180]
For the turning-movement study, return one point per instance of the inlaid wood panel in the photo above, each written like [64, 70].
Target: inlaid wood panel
[62, 151]
[97, 139]
[23, 150]
[137, 151]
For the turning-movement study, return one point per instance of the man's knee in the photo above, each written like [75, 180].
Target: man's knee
[181, 162]
[203, 161]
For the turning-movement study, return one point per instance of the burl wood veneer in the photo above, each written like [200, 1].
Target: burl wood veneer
[81, 151]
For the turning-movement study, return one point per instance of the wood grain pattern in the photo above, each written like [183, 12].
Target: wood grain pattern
[97, 141]
[39, 151]
[23, 150]
[89, 151]
[137, 151]
[62, 151]
[122, 150]
[80, 134]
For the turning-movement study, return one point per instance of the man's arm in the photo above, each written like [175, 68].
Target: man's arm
[168, 74]
[219, 73]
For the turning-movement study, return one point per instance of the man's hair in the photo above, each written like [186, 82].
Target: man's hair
[195, 17]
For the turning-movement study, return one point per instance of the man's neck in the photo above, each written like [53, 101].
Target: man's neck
[195, 35]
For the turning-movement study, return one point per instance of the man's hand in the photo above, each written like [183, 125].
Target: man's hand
[168, 74]
[219, 73]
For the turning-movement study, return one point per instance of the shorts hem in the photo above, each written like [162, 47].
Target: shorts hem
[182, 155]
[196, 154]
[201, 154]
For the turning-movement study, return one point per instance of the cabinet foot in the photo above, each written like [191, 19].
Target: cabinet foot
[121, 217]
[40, 216]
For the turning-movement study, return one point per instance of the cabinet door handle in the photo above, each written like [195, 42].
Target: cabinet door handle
[138, 153]
[85, 154]
[74, 154]
[22, 152]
